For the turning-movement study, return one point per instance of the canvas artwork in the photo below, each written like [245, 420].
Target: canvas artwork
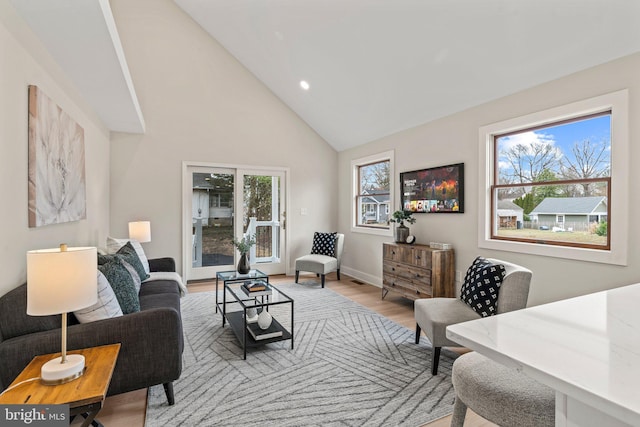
[56, 163]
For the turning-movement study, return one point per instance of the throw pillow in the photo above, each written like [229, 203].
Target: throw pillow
[324, 244]
[129, 254]
[481, 286]
[113, 245]
[123, 284]
[103, 259]
[106, 307]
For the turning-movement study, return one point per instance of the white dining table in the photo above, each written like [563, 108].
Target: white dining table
[586, 348]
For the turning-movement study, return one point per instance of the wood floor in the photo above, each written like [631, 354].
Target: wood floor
[128, 409]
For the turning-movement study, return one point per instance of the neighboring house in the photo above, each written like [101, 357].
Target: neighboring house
[208, 202]
[570, 213]
[509, 214]
[375, 206]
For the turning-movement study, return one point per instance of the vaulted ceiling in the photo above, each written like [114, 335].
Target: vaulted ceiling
[374, 67]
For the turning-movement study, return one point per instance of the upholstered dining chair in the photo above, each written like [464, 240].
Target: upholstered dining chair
[322, 260]
[499, 394]
[433, 315]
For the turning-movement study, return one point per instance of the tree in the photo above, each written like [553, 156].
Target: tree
[589, 160]
[528, 161]
[257, 198]
[525, 202]
[543, 191]
[375, 176]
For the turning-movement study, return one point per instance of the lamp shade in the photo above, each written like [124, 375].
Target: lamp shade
[140, 231]
[61, 280]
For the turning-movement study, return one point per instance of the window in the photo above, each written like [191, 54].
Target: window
[555, 179]
[372, 193]
[559, 174]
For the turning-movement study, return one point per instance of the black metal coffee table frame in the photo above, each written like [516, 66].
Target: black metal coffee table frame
[238, 318]
[235, 277]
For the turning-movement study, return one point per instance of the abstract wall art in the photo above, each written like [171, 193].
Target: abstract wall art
[56, 163]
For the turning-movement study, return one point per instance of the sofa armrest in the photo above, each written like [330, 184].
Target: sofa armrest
[162, 264]
[151, 351]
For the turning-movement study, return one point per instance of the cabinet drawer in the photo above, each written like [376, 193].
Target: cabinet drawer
[412, 255]
[415, 275]
[410, 287]
[406, 292]
[420, 258]
[391, 253]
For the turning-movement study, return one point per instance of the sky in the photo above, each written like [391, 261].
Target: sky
[563, 136]
[596, 129]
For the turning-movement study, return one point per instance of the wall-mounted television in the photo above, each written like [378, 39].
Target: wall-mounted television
[433, 190]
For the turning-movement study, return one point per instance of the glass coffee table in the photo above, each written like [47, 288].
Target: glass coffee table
[238, 303]
[235, 277]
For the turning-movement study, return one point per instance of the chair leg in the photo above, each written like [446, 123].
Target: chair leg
[297, 275]
[418, 330]
[322, 280]
[459, 413]
[338, 274]
[168, 390]
[435, 358]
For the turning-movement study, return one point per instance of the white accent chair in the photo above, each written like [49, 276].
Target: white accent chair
[321, 264]
[433, 315]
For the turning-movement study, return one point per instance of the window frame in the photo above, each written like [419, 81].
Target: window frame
[617, 103]
[355, 191]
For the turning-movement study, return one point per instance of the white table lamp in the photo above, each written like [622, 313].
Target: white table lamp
[140, 231]
[59, 281]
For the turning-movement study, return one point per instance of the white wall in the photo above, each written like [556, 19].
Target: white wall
[454, 139]
[200, 104]
[24, 62]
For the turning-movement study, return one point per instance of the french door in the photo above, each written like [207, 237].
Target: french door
[220, 203]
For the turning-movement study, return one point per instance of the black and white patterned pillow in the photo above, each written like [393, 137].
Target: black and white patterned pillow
[482, 285]
[324, 244]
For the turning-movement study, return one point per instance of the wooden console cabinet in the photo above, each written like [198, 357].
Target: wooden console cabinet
[418, 271]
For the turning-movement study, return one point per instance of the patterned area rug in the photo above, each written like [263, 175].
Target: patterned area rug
[350, 367]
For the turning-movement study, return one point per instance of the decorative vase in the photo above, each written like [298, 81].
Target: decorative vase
[401, 233]
[252, 315]
[243, 265]
[264, 319]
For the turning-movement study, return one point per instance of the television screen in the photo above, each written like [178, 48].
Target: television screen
[434, 190]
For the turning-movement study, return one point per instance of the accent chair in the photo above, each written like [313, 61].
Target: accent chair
[322, 264]
[433, 315]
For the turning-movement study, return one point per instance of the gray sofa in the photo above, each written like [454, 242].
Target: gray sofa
[151, 339]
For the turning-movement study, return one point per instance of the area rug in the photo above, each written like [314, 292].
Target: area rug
[349, 367]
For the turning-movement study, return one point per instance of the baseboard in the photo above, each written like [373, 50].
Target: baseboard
[364, 277]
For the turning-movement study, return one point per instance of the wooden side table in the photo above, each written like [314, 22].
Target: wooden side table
[84, 395]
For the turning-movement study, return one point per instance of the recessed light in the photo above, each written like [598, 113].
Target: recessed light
[304, 84]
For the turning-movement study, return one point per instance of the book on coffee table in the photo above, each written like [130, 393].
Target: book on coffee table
[262, 334]
[256, 288]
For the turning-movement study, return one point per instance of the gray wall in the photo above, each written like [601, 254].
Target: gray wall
[25, 62]
[455, 139]
[200, 104]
